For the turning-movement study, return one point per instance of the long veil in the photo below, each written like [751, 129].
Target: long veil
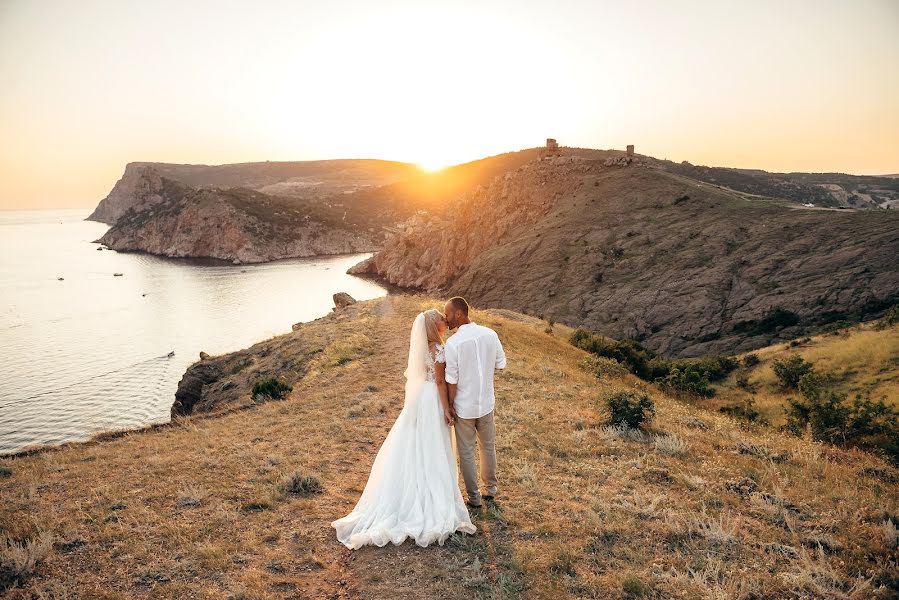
[416, 368]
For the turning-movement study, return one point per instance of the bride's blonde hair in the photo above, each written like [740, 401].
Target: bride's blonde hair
[432, 317]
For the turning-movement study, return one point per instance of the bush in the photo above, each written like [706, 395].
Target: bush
[627, 352]
[864, 423]
[813, 385]
[301, 485]
[890, 317]
[751, 360]
[630, 409]
[745, 410]
[687, 381]
[600, 366]
[790, 370]
[271, 388]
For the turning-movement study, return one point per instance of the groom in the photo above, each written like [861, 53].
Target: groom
[471, 356]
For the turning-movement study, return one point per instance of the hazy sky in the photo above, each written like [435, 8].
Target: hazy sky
[89, 85]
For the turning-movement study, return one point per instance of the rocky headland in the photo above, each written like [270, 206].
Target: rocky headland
[170, 218]
[624, 246]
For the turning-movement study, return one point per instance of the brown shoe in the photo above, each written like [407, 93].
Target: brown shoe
[470, 505]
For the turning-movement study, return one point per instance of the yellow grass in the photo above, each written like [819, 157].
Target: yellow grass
[697, 507]
[863, 359]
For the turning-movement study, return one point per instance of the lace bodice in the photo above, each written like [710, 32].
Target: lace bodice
[438, 356]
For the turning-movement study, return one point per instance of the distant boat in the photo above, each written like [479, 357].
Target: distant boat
[171, 354]
[116, 274]
[60, 279]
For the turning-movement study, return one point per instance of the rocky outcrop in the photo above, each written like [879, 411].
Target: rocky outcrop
[342, 300]
[298, 179]
[190, 388]
[172, 219]
[637, 252]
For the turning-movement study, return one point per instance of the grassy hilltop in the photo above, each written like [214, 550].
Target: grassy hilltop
[698, 506]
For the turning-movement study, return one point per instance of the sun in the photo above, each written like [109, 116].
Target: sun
[430, 165]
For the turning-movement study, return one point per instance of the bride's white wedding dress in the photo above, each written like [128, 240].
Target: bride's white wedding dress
[413, 489]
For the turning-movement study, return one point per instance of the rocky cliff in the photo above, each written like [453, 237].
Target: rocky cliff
[169, 218]
[299, 179]
[634, 251]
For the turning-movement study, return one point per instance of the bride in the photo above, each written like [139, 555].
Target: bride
[413, 488]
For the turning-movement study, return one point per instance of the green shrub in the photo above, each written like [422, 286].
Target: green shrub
[830, 418]
[630, 409]
[889, 318]
[751, 360]
[813, 384]
[686, 381]
[627, 352]
[790, 370]
[745, 410]
[271, 388]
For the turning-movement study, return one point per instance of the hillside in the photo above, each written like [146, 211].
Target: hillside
[634, 251]
[693, 509]
[169, 218]
[820, 189]
[863, 359]
[300, 179]
[184, 218]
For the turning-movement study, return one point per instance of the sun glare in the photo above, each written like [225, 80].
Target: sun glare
[431, 166]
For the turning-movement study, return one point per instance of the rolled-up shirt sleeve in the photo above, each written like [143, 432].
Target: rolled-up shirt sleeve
[452, 364]
[500, 355]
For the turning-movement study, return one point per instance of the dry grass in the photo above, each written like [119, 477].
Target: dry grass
[196, 510]
[862, 358]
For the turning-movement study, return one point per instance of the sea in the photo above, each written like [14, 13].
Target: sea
[83, 350]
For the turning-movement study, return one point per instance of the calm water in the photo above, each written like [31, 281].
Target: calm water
[90, 353]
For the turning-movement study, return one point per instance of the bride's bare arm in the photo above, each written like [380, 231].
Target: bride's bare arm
[440, 380]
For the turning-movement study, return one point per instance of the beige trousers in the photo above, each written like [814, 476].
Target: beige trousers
[467, 431]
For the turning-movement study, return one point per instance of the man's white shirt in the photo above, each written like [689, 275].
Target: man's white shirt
[472, 354]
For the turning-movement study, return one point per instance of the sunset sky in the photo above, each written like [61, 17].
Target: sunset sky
[88, 86]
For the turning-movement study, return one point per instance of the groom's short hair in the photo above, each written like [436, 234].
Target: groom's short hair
[459, 303]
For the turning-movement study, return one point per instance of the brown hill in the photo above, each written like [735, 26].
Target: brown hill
[695, 507]
[637, 252]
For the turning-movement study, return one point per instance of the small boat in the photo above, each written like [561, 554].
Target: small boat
[60, 279]
[171, 354]
[116, 274]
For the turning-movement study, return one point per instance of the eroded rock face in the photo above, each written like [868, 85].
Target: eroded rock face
[139, 188]
[190, 388]
[636, 252]
[172, 219]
